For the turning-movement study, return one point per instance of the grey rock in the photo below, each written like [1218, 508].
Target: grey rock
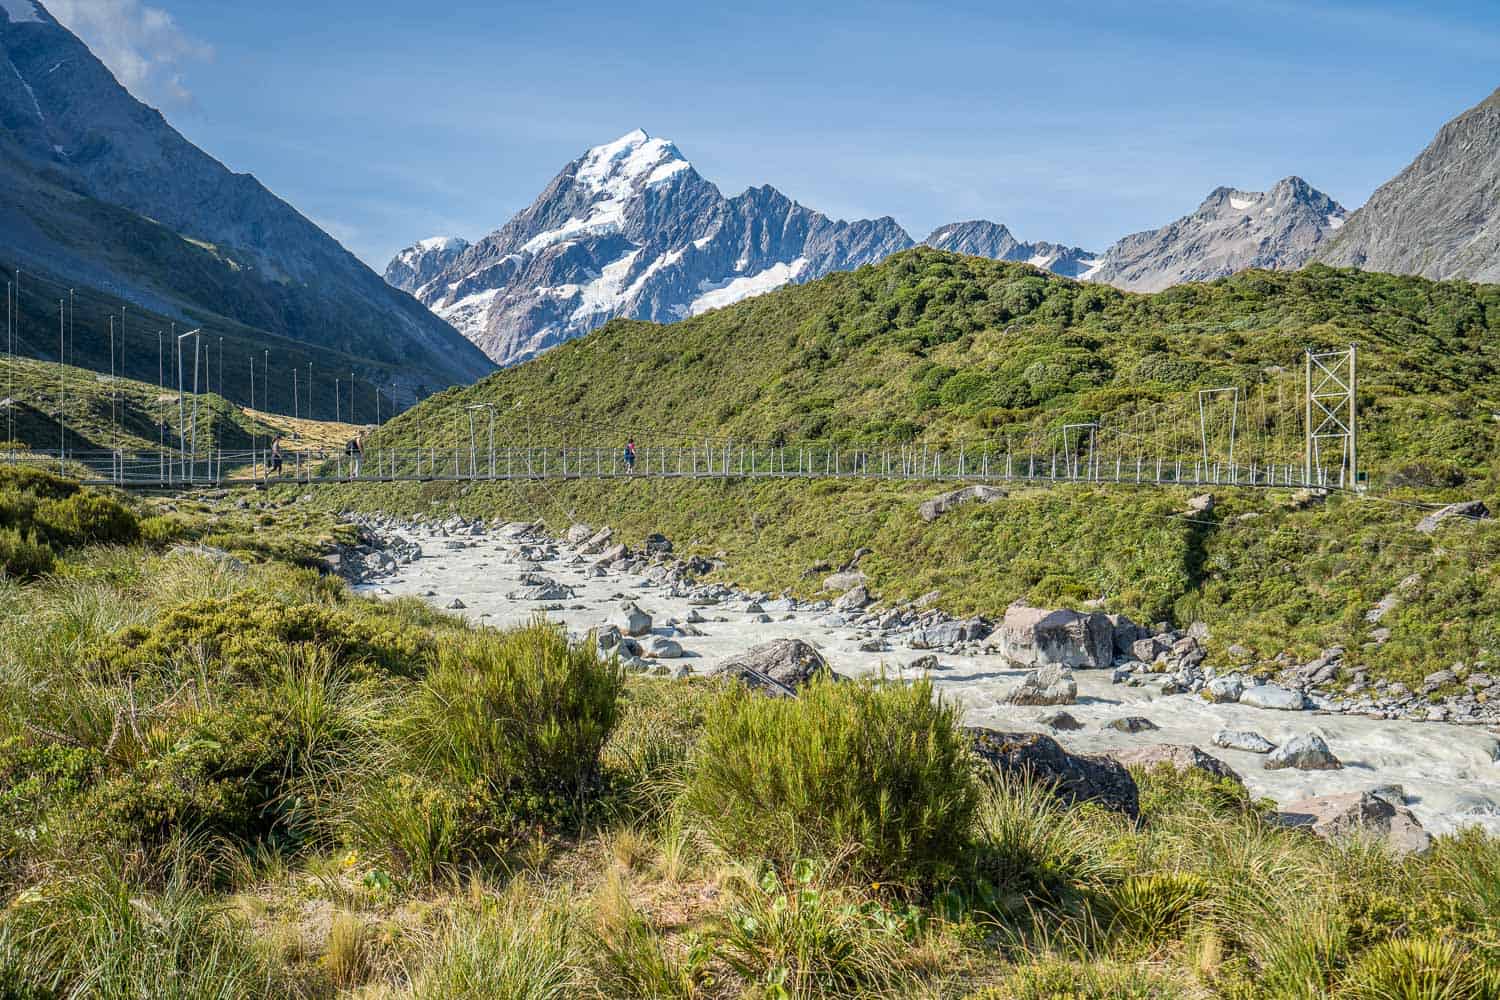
[1050, 685]
[1072, 778]
[1183, 758]
[1470, 510]
[658, 545]
[579, 533]
[455, 605]
[1250, 742]
[854, 600]
[779, 668]
[1037, 636]
[1131, 724]
[1356, 814]
[1273, 696]
[1060, 720]
[632, 620]
[924, 664]
[841, 582]
[1224, 690]
[1305, 753]
[931, 510]
[661, 648]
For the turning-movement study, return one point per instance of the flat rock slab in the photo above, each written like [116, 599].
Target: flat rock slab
[1235, 739]
[1273, 696]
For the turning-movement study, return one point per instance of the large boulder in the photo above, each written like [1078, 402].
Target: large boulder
[597, 542]
[1305, 753]
[1072, 778]
[1183, 758]
[854, 600]
[949, 634]
[548, 591]
[632, 620]
[841, 582]
[1273, 696]
[658, 544]
[662, 648]
[1224, 690]
[1334, 817]
[1469, 510]
[931, 510]
[1051, 685]
[1038, 637]
[1132, 724]
[579, 533]
[779, 668]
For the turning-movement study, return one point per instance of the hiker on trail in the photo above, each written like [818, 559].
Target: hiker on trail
[356, 452]
[630, 456]
[276, 455]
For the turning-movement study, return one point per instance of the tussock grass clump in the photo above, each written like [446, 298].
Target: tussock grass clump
[808, 936]
[94, 934]
[1421, 968]
[877, 776]
[518, 948]
[522, 714]
[1052, 979]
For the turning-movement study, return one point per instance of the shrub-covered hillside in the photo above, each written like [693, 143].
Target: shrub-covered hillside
[943, 347]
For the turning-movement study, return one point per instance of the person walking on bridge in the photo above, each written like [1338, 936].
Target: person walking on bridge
[276, 459]
[630, 456]
[356, 451]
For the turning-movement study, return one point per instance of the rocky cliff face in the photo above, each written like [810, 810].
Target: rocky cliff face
[631, 229]
[993, 240]
[1440, 217]
[1231, 231]
[100, 190]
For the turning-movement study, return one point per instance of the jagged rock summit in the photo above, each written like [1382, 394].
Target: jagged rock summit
[424, 260]
[100, 190]
[1440, 217]
[1231, 231]
[981, 238]
[631, 229]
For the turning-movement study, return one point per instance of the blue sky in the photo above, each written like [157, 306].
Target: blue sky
[389, 120]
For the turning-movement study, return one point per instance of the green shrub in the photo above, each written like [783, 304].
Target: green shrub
[424, 830]
[86, 518]
[648, 757]
[522, 713]
[37, 482]
[22, 557]
[250, 630]
[1054, 980]
[164, 529]
[876, 775]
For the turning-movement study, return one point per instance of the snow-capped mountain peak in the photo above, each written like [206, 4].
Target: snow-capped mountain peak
[630, 229]
[981, 238]
[421, 262]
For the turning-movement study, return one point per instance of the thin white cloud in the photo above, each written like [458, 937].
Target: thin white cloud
[142, 45]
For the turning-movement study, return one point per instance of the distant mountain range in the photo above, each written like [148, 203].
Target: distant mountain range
[99, 191]
[991, 239]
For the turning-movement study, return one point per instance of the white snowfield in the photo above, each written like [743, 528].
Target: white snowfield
[730, 292]
[1449, 773]
[1240, 204]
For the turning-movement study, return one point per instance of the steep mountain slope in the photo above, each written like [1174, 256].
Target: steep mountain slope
[980, 238]
[1440, 217]
[1231, 231]
[100, 191]
[631, 229]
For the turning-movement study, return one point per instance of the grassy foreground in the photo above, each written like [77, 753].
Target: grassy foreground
[222, 775]
[1261, 572]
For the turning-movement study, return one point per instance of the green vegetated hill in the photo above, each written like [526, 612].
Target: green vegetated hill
[101, 414]
[948, 348]
[944, 348]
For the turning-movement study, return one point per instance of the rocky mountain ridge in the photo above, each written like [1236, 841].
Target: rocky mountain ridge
[1232, 230]
[982, 238]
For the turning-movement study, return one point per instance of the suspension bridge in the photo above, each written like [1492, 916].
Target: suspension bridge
[1221, 436]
